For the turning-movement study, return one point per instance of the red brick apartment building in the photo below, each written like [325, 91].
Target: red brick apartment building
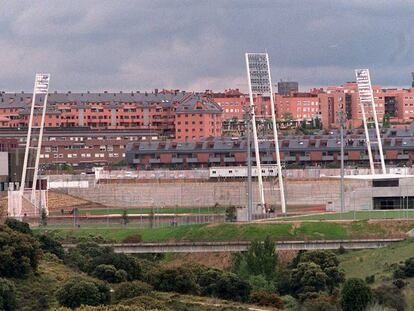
[324, 104]
[157, 111]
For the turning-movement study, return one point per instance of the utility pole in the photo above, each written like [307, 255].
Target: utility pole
[341, 121]
[248, 120]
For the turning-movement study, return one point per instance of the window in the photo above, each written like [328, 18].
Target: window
[385, 183]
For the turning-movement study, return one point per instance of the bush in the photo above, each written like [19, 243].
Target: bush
[356, 295]
[7, 295]
[308, 278]
[76, 292]
[217, 283]
[390, 296]
[290, 302]
[19, 253]
[399, 283]
[370, 279]
[329, 264]
[408, 267]
[87, 256]
[266, 299]
[17, 225]
[48, 244]
[110, 274]
[132, 289]
[178, 280]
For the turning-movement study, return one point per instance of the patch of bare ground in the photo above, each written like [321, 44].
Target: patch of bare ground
[58, 201]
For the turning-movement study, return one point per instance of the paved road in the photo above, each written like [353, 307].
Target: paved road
[238, 246]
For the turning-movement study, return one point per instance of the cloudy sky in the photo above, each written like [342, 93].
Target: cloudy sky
[197, 45]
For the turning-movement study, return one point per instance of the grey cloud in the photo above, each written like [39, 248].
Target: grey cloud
[138, 45]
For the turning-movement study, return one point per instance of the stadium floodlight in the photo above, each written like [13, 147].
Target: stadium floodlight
[366, 99]
[260, 83]
[41, 87]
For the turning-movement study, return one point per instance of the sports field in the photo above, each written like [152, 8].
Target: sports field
[178, 210]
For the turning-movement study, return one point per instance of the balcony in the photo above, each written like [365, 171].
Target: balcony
[136, 161]
[327, 158]
[192, 160]
[289, 158]
[176, 160]
[403, 157]
[304, 158]
[214, 160]
[229, 159]
[155, 161]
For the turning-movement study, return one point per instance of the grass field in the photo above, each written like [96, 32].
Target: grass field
[178, 210]
[241, 232]
[358, 215]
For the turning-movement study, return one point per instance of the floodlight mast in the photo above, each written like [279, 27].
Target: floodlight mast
[41, 86]
[366, 96]
[279, 166]
[255, 140]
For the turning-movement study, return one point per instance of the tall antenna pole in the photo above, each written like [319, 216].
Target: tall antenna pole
[276, 139]
[255, 140]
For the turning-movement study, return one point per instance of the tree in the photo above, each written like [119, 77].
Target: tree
[260, 259]
[43, 218]
[19, 253]
[329, 264]
[7, 295]
[386, 120]
[76, 292]
[125, 218]
[287, 116]
[307, 278]
[356, 295]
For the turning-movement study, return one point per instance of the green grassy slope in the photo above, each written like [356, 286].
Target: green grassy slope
[244, 232]
[376, 261]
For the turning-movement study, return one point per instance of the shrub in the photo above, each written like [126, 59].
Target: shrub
[356, 295]
[19, 253]
[329, 264]
[178, 280]
[132, 289]
[17, 225]
[124, 262]
[230, 286]
[289, 302]
[390, 296]
[266, 299]
[48, 244]
[308, 278]
[76, 292]
[110, 274]
[7, 295]
[408, 267]
[399, 283]
[370, 279]
[87, 256]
